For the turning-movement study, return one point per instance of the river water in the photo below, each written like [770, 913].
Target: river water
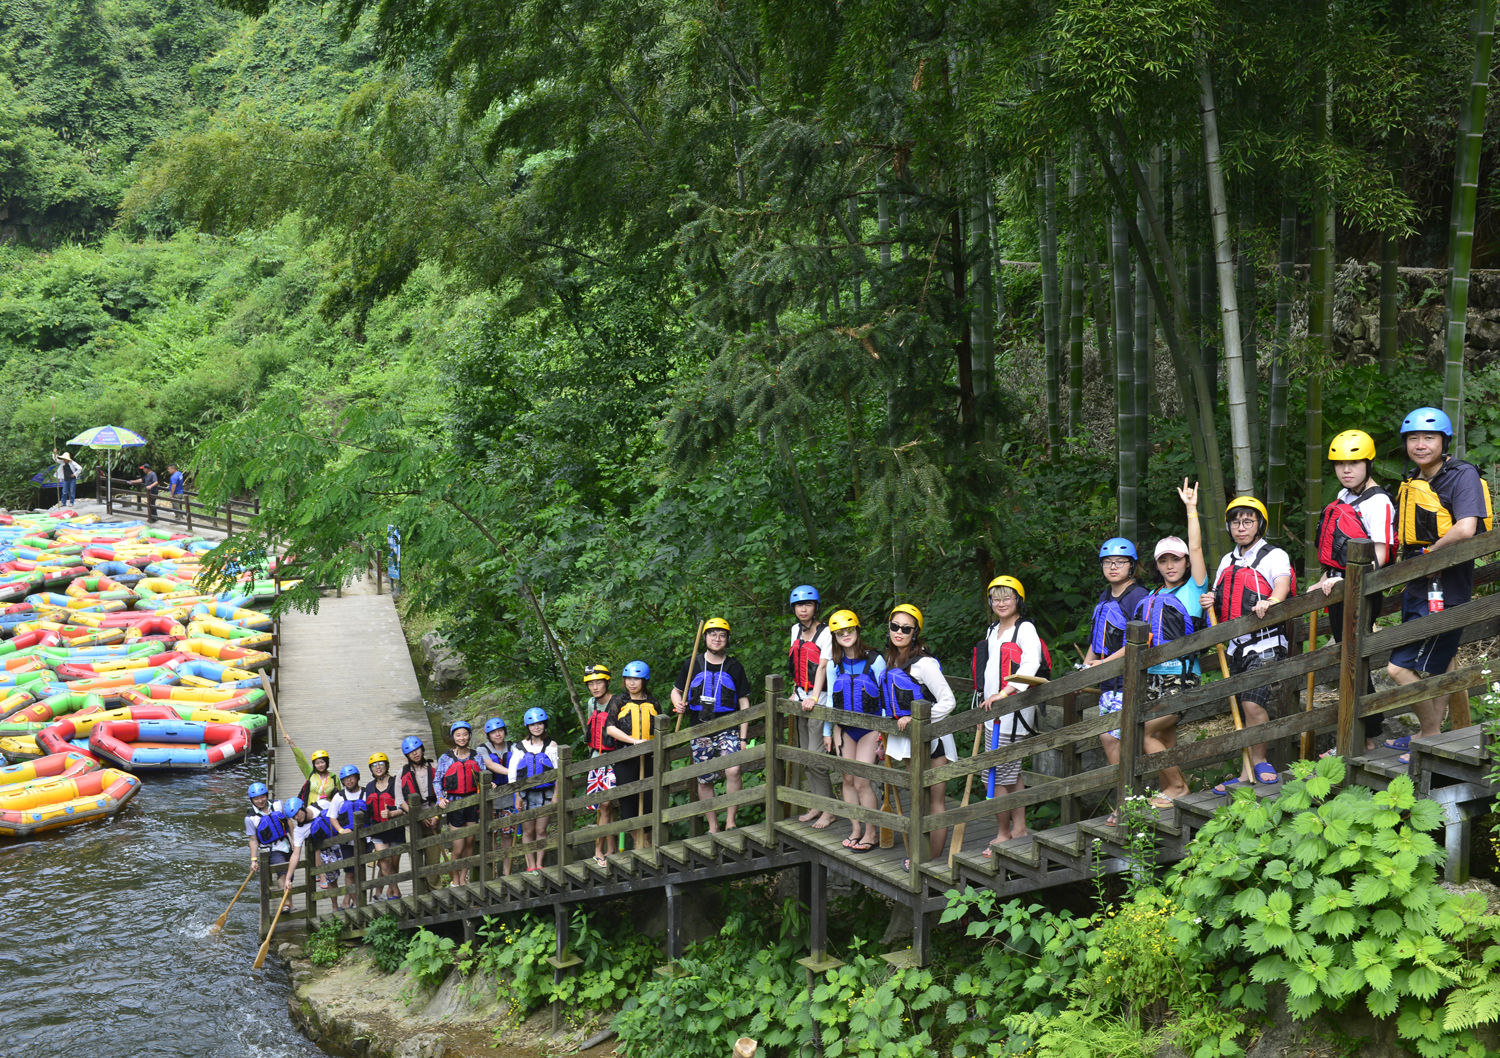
[106, 947]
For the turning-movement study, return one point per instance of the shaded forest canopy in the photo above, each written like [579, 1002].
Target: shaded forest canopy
[633, 313]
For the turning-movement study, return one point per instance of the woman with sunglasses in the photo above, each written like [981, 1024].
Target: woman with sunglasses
[852, 676]
[913, 678]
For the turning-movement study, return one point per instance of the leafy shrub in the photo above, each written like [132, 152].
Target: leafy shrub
[388, 942]
[324, 946]
[429, 957]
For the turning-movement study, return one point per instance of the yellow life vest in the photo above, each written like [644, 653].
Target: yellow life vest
[1421, 518]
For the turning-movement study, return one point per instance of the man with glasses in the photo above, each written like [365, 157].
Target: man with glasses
[1252, 578]
[709, 686]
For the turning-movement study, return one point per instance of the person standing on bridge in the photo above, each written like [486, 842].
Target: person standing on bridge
[494, 757]
[458, 774]
[419, 789]
[811, 647]
[601, 779]
[71, 472]
[320, 785]
[530, 758]
[713, 685]
[853, 675]
[267, 829]
[1010, 647]
[175, 488]
[913, 678]
[344, 806]
[631, 716]
[383, 798]
[151, 483]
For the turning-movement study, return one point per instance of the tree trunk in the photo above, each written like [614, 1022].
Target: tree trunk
[1281, 350]
[1320, 332]
[1046, 186]
[1465, 198]
[1141, 343]
[1128, 477]
[1075, 305]
[1390, 303]
[982, 308]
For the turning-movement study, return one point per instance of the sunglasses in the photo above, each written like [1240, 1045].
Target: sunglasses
[905, 630]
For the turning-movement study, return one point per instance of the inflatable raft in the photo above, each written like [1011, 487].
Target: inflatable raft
[195, 745]
[37, 807]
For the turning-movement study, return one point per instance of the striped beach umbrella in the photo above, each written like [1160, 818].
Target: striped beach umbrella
[109, 439]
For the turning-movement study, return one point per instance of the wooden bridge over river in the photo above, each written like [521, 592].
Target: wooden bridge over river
[1451, 768]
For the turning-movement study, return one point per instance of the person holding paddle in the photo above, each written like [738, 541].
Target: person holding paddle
[710, 685]
[1011, 647]
[266, 828]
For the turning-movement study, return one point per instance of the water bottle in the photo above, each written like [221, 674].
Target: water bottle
[1434, 595]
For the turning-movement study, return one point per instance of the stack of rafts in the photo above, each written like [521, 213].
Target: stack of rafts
[115, 657]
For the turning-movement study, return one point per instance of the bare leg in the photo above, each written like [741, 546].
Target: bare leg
[935, 804]
[1430, 713]
[733, 784]
[1161, 734]
[706, 793]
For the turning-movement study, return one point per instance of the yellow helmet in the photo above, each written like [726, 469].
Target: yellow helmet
[1351, 446]
[1250, 503]
[716, 623]
[379, 758]
[596, 672]
[842, 619]
[318, 754]
[1007, 582]
[908, 608]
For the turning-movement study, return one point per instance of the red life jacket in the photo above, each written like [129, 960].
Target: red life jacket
[1341, 522]
[462, 777]
[803, 657]
[380, 802]
[411, 787]
[597, 738]
[1240, 587]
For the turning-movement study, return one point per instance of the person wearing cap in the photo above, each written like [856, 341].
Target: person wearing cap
[709, 686]
[1174, 609]
[1353, 454]
[600, 779]
[71, 471]
[382, 797]
[1457, 490]
[1011, 647]
[148, 481]
[320, 785]
[1252, 578]
[419, 788]
[811, 646]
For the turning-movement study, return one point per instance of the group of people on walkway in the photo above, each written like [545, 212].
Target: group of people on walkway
[1440, 502]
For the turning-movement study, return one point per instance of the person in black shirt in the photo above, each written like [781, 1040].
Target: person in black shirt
[708, 686]
[149, 481]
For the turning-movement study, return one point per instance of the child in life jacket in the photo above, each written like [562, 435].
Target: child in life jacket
[320, 784]
[1174, 609]
[602, 778]
[458, 774]
[852, 675]
[912, 679]
[383, 802]
[1252, 578]
[347, 803]
[1121, 596]
[266, 828]
[530, 758]
[710, 686]
[419, 790]
[1010, 648]
[632, 715]
[1361, 510]
[494, 756]
[810, 646]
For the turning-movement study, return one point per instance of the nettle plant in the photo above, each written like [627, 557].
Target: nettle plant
[1336, 897]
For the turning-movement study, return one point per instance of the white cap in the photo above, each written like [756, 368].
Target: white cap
[1171, 545]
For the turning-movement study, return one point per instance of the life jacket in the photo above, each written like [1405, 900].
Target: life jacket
[899, 690]
[319, 787]
[1241, 586]
[1341, 522]
[855, 690]
[597, 738]
[532, 763]
[462, 776]
[1010, 657]
[1168, 618]
[1421, 518]
[271, 828]
[350, 808]
[322, 826]
[496, 779]
[411, 787]
[803, 656]
[717, 686]
[381, 803]
[635, 717]
[1108, 632]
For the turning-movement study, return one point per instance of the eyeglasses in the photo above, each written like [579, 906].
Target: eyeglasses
[1248, 520]
[905, 630]
[1116, 562]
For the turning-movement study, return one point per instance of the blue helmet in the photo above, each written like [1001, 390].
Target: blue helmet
[494, 723]
[410, 743]
[1427, 420]
[454, 727]
[291, 806]
[347, 771]
[804, 593]
[536, 715]
[258, 789]
[637, 670]
[1117, 546]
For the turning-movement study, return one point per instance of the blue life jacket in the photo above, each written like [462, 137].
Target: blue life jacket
[322, 827]
[1108, 632]
[348, 809]
[854, 688]
[899, 690]
[718, 686]
[270, 828]
[533, 764]
[1168, 618]
[496, 779]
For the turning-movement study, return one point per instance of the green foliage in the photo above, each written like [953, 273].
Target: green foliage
[325, 945]
[388, 942]
[1337, 898]
[430, 957]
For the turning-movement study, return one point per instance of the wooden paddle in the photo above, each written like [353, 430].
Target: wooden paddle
[887, 835]
[1312, 679]
[265, 946]
[687, 684]
[303, 764]
[956, 839]
[1246, 775]
[219, 922]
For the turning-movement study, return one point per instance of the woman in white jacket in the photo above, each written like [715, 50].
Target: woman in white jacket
[912, 677]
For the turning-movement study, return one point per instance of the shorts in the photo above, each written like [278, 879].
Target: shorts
[1429, 657]
[1249, 661]
[854, 734]
[629, 771]
[346, 852]
[600, 780]
[460, 817]
[1111, 702]
[279, 859]
[1165, 684]
[533, 798]
[710, 746]
[1003, 734]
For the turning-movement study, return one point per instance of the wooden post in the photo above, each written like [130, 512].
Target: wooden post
[918, 766]
[229, 517]
[486, 821]
[1354, 669]
[310, 884]
[359, 860]
[187, 506]
[414, 837]
[1068, 758]
[1132, 703]
[565, 753]
[265, 888]
[563, 961]
[674, 922]
[773, 812]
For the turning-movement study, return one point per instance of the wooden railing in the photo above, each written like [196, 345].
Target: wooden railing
[121, 497]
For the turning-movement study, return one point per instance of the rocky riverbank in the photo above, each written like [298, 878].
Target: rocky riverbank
[354, 1009]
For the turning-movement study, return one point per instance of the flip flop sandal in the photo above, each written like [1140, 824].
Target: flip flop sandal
[1263, 769]
[862, 846]
[1161, 801]
[1328, 753]
[1225, 786]
[1111, 820]
[848, 843]
[1405, 758]
[1402, 743]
